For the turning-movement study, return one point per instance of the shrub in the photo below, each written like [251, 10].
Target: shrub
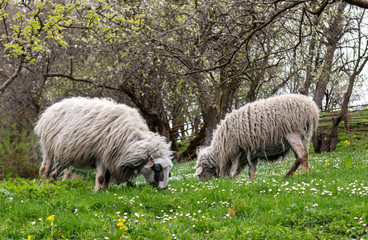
[19, 153]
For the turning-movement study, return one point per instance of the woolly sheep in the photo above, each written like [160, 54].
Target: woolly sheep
[99, 133]
[265, 129]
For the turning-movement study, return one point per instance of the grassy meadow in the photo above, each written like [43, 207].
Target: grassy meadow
[329, 203]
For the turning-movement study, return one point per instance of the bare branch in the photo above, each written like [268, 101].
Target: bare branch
[318, 10]
[12, 77]
[247, 38]
[359, 3]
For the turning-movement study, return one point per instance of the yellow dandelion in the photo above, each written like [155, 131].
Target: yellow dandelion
[121, 225]
[51, 218]
[29, 237]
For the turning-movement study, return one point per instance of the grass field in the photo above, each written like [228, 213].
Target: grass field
[329, 203]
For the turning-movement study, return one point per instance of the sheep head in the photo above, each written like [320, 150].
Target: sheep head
[206, 167]
[157, 172]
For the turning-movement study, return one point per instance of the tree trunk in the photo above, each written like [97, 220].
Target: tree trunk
[333, 35]
[311, 56]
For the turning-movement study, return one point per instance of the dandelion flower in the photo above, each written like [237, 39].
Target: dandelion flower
[121, 225]
[51, 218]
[29, 237]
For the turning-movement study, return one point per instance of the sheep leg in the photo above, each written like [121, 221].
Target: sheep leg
[56, 171]
[107, 179]
[66, 173]
[252, 170]
[45, 166]
[234, 166]
[300, 152]
[99, 177]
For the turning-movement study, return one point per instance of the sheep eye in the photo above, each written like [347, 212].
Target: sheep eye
[157, 167]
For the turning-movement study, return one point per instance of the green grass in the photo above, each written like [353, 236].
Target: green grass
[329, 203]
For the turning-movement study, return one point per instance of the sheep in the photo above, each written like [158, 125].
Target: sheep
[99, 133]
[265, 129]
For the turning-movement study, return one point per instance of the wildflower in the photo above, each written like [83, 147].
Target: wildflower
[121, 225]
[51, 218]
[231, 212]
[29, 237]
[346, 142]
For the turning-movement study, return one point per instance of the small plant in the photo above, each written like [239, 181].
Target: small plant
[51, 218]
[327, 163]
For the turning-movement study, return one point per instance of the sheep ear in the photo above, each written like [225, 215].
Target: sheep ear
[199, 171]
[149, 163]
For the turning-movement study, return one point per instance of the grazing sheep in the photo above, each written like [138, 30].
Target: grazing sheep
[265, 129]
[101, 134]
